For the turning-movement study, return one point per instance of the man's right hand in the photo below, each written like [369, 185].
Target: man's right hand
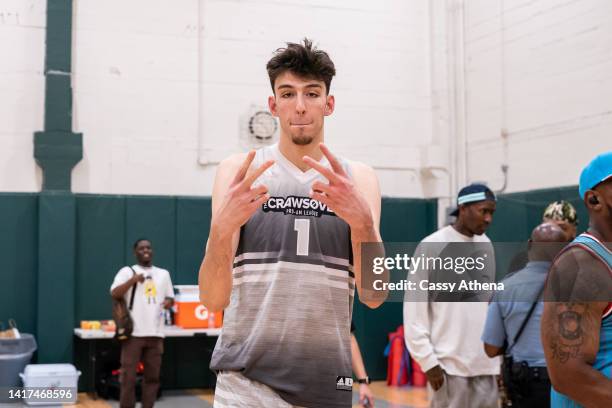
[435, 376]
[122, 289]
[241, 201]
[138, 278]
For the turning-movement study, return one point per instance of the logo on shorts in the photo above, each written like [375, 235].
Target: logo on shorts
[344, 383]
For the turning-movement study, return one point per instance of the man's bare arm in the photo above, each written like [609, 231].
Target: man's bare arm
[357, 360]
[233, 203]
[119, 291]
[493, 351]
[570, 327]
[366, 181]
[361, 211]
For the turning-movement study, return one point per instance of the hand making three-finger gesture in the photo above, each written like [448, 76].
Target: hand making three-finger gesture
[340, 193]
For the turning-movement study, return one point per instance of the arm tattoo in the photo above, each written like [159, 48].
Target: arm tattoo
[568, 338]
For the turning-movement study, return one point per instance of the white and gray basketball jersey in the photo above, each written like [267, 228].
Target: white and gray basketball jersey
[288, 321]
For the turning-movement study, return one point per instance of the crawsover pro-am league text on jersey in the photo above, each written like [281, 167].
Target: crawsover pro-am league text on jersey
[288, 322]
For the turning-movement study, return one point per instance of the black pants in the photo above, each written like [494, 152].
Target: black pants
[536, 396]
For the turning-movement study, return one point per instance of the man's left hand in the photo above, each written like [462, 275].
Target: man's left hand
[340, 194]
[364, 391]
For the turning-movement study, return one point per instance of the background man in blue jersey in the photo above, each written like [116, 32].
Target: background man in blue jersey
[577, 320]
[284, 272]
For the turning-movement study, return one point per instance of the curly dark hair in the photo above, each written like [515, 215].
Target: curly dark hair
[305, 61]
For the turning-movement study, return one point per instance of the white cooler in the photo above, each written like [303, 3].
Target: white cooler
[50, 376]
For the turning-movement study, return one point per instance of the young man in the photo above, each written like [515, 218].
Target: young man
[283, 254]
[154, 293]
[443, 337]
[577, 319]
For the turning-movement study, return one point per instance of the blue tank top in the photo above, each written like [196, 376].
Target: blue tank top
[603, 360]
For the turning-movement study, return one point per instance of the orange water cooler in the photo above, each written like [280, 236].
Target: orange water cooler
[190, 313]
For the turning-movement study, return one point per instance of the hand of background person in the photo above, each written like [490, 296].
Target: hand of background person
[340, 193]
[168, 302]
[435, 376]
[138, 278]
[365, 391]
[241, 200]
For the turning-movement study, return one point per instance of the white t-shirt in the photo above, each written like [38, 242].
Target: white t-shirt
[448, 333]
[147, 312]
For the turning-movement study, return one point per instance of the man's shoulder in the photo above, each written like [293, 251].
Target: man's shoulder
[229, 167]
[233, 161]
[441, 235]
[124, 270]
[161, 271]
[573, 258]
[122, 276]
[578, 260]
[366, 181]
[362, 173]
[525, 277]
[482, 238]
[361, 168]
[579, 275]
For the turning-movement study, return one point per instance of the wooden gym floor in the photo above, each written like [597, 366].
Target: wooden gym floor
[384, 396]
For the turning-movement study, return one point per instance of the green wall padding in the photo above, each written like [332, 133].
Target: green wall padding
[18, 259]
[56, 276]
[105, 227]
[101, 250]
[153, 218]
[192, 227]
[518, 213]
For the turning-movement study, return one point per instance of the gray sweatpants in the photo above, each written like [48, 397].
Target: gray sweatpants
[465, 392]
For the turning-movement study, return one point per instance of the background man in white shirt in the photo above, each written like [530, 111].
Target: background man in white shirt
[154, 293]
[443, 337]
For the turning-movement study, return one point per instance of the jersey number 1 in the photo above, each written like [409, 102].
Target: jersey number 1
[302, 227]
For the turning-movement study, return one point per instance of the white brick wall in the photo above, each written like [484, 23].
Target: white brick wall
[22, 91]
[541, 70]
[160, 87]
[136, 86]
[136, 97]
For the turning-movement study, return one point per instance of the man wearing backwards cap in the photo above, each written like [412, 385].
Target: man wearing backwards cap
[577, 318]
[443, 337]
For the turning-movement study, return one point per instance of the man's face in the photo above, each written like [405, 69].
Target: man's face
[300, 104]
[478, 216]
[144, 252]
[605, 198]
[568, 228]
